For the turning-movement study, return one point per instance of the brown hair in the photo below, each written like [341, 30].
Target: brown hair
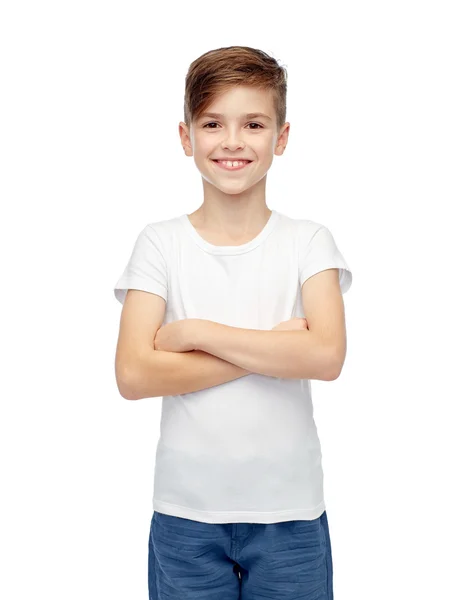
[219, 70]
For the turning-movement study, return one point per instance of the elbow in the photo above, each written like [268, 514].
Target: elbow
[127, 393]
[126, 386]
[335, 368]
[126, 390]
[333, 375]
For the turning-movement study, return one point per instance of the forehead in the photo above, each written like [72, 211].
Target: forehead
[240, 101]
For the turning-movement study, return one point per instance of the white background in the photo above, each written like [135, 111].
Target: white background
[92, 94]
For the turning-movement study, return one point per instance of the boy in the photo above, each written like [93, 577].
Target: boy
[238, 502]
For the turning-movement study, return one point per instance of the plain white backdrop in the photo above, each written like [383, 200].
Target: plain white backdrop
[92, 94]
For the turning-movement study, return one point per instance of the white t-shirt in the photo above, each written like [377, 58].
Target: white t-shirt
[245, 450]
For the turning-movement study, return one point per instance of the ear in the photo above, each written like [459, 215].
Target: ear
[185, 139]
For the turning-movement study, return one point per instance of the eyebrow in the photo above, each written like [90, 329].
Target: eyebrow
[247, 116]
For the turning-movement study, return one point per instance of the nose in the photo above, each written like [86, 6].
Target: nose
[232, 141]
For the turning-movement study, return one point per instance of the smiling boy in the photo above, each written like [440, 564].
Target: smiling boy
[210, 301]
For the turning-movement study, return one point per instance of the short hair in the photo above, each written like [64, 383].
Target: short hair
[217, 71]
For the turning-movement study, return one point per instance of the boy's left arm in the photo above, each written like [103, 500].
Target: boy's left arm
[317, 353]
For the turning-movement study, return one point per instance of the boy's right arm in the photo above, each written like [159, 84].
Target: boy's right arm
[143, 372]
[160, 373]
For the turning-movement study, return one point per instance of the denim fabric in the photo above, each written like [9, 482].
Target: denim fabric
[190, 560]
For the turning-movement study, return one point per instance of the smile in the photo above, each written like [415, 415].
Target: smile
[229, 166]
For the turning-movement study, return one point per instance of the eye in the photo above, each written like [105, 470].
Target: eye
[215, 123]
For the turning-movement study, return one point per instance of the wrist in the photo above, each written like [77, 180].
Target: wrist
[195, 335]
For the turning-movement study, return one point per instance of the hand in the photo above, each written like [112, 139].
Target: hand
[293, 324]
[178, 336]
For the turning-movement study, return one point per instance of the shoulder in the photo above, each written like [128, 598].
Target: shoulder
[303, 227]
[160, 233]
[301, 230]
[309, 232]
[160, 228]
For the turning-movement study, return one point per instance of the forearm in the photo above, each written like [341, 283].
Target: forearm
[160, 373]
[286, 354]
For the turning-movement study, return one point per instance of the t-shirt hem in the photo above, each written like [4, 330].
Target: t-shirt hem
[307, 514]
[125, 284]
[345, 275]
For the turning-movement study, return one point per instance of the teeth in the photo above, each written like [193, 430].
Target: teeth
[235, 163]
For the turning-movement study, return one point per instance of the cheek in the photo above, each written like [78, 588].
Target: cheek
[206, 147]
[264, 145]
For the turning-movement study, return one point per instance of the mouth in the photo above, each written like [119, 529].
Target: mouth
[237, 168]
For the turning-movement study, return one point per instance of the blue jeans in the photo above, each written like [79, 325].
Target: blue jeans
[189, 560]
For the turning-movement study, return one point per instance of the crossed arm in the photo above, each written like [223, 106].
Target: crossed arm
[200, 353]
[296, 354]
[317, 353]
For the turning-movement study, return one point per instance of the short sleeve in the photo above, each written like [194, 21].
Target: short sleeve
[146, 269]
[318, 252]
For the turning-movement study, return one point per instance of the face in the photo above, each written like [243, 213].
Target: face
[234, 135]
